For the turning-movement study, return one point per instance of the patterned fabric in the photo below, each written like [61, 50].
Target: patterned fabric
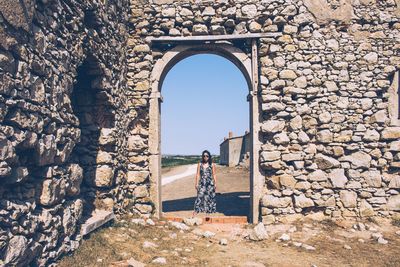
[205, 201]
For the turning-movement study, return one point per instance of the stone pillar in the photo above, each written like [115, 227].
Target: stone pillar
[256, 178]
[155, 152]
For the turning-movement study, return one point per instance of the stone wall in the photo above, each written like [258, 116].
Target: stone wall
[75, 97]
[328, 143]
[62, 69]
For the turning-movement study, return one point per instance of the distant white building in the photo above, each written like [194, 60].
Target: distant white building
[235, 150]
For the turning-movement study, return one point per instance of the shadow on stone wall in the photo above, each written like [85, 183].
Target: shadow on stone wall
[94, 114]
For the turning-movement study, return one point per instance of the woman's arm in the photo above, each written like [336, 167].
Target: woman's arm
[197, 175]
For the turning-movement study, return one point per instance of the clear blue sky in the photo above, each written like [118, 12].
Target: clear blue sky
[204, 98]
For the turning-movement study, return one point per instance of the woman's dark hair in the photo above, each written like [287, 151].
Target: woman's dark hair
[209, 156]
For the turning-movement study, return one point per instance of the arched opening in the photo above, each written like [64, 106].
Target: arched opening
[248, 67]
[95, 149]
[204, 98]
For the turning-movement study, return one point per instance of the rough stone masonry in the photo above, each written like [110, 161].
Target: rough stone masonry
[75, 93]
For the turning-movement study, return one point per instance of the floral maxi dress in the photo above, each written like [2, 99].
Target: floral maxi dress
[205, 201]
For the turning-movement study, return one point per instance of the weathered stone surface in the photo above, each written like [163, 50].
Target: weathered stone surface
[276, 202]
[99, 218]
[46, 149]
[273, 126]
[200, 29]
[17, 251]
[136, 143]
[249, 11]
[73, 184]
[394, 181]
[325, 162]
[53, 191]
[318, 176]
[395, 146]
[281, 138]
[270, 155]
[104, 176]
[359, 160]
[302, 201]
[259, 232]
[366, 209]
[325, 136]
[137, 176]
[373, 178]
[287, 181]
[391, 133]
[338, 178]
[371, 135]
[394, 203]
[348, 198]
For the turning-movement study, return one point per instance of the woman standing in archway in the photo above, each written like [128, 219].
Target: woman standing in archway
[206, 186]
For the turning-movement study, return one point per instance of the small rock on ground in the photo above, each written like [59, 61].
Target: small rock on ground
[347, 247]
[382, 241]
[208, 234]
[252, 264]
[180, 226]
[150, 222]
[223, 241]
[307, 247]
[138, 221]
[193, 221]
[148, 244]
[259, 233]
[159, 260]
[134, 263]
[284, 237]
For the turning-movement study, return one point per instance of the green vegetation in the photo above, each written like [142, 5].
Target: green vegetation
[177, 160]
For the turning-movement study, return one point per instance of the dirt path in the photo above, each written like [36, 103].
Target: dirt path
[232, 192]
[177, 173]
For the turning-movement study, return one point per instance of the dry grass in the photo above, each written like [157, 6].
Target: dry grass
[124, 240]
[396, 222]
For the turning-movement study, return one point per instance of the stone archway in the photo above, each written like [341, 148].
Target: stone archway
[250, 71]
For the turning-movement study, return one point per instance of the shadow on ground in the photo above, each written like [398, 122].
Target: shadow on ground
[229, 204]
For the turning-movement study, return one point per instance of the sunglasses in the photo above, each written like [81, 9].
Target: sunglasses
[206, 156]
